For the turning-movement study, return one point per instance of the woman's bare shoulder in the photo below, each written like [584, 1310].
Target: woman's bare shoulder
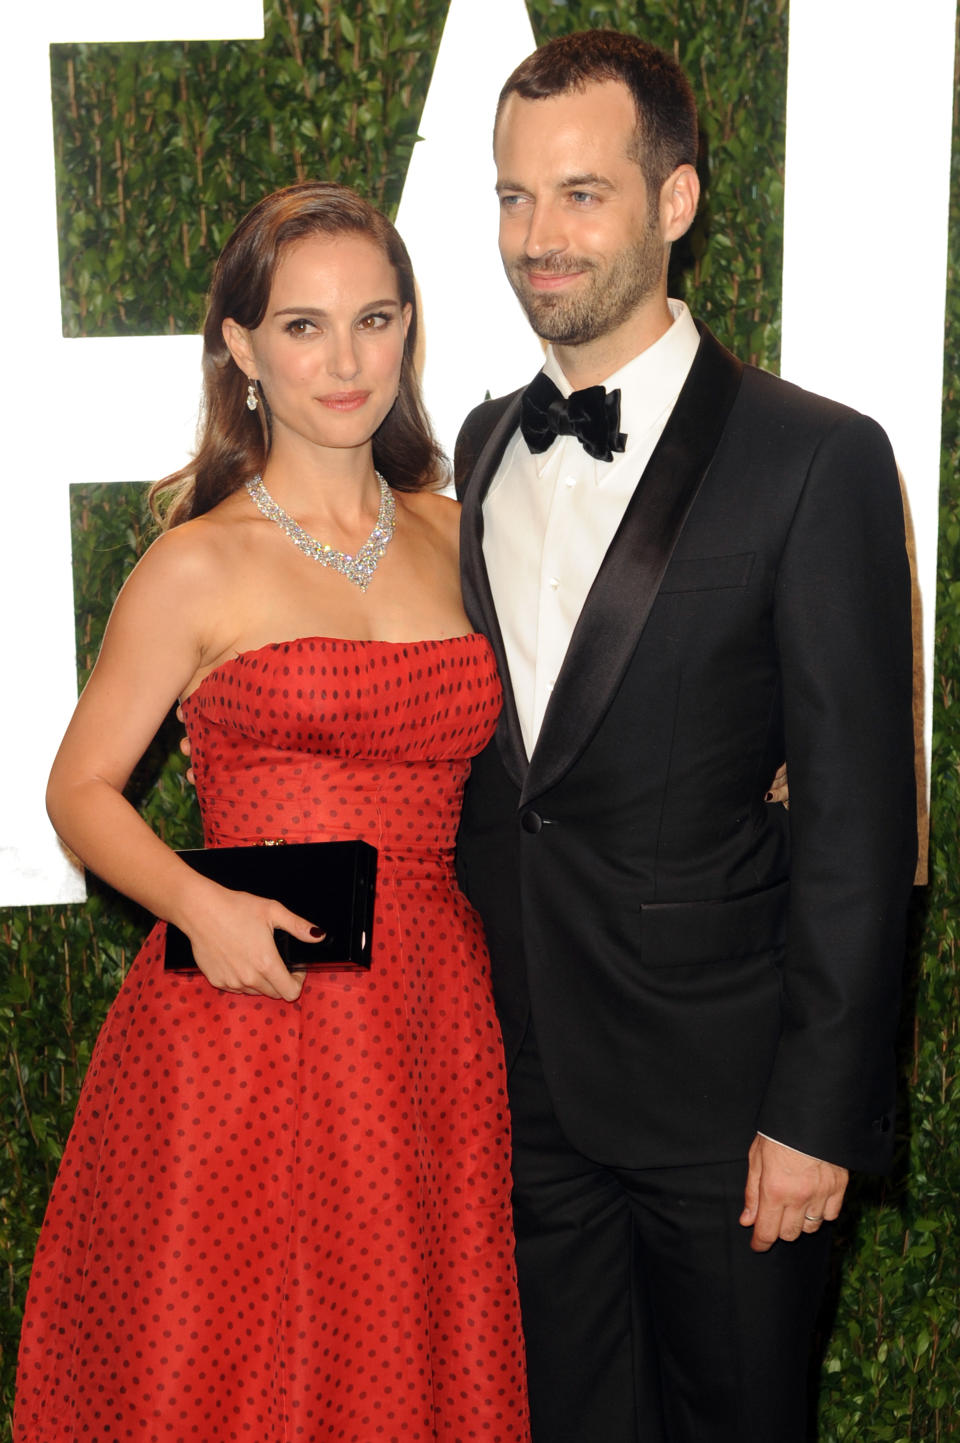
[180, 598]
[435, 510]
[195, 552]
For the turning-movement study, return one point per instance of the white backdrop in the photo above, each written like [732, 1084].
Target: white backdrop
[869, 118]
[866, 178]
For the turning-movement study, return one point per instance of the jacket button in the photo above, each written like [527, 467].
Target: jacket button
[883, 1124]
[531, 821]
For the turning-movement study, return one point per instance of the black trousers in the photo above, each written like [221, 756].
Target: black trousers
[647, 1317]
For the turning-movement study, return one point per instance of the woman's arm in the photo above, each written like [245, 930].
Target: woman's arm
[153, 646]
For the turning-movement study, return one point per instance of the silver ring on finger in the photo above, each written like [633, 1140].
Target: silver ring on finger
[813, 1220]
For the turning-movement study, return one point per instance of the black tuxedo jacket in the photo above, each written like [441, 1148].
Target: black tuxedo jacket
[699, 964]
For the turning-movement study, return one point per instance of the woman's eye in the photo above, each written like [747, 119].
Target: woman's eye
[375, 321]
[298, 327]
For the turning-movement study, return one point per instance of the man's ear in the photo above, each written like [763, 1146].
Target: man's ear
[237, 341]
[679, 197]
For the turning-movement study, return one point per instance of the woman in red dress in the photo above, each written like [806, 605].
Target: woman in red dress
[283, 1211]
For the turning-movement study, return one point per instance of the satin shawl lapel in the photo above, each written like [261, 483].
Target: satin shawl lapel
[477, 596]
[619, 602]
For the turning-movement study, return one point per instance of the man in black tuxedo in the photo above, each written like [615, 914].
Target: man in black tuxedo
[686, 577]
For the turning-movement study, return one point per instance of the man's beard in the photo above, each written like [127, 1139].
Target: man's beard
[607, 296]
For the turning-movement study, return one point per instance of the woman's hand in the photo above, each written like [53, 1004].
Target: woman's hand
[779, 788]
[232, 939]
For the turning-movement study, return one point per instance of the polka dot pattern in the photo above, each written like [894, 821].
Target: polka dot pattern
[291, 1221]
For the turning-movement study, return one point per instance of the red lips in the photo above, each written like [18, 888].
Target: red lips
[344, 400]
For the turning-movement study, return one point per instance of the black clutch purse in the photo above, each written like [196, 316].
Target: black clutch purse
[331, 884]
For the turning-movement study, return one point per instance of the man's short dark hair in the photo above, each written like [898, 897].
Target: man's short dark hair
[666, 134]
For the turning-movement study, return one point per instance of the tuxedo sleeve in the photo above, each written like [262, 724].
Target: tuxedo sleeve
[844, 636]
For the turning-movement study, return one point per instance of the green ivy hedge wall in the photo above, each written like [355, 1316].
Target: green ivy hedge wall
[160, 149]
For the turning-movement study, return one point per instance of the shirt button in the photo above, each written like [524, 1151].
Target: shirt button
[554, 582]
[570, 482]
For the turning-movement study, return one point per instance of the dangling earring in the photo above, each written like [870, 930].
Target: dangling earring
[252, 398]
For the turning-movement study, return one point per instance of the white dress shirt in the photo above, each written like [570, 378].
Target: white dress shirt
[549, 519]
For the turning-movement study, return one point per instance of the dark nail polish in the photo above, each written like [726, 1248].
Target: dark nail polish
[316, 932]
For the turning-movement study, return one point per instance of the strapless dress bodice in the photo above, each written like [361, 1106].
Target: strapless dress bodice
[321, 739]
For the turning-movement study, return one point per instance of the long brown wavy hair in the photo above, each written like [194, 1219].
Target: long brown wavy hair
[234, 441]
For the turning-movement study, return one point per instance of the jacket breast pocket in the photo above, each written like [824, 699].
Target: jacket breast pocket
[708, 573]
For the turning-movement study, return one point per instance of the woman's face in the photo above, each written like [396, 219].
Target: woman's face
[329, 348]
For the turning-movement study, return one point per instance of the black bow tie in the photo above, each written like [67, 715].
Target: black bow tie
[592, 415]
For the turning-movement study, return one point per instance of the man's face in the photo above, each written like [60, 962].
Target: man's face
[581, 242]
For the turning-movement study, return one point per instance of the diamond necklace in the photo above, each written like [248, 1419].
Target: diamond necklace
[359, 568]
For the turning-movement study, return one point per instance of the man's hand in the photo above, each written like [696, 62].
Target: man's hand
[788, 1193]
[185, 749]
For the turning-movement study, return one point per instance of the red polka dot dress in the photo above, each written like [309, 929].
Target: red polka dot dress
[291, 1221]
